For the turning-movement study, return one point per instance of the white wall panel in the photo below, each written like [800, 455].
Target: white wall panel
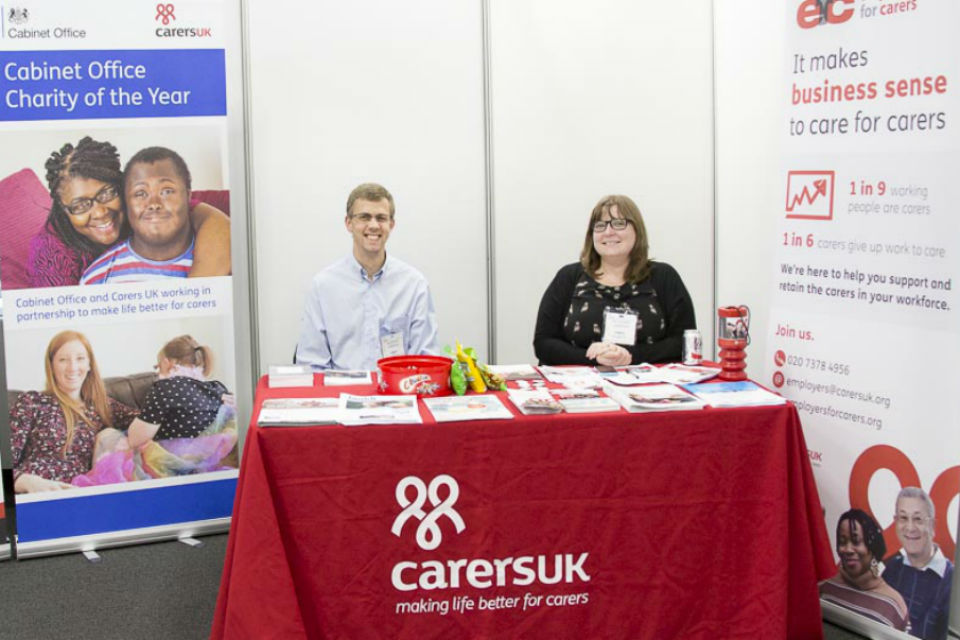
[593, 98]
[371, 90]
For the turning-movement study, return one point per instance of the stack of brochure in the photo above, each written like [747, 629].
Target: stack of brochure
[333, 378]
[687, 374]
[514, 371]
[653, 397]
[290, 375]
[294, 412]
[472, 407]
[584, 401]
[734, 394]
[377, 409]
[537, 401]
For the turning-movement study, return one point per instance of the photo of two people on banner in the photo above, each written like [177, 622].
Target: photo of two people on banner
[73, 434]
[910, 589]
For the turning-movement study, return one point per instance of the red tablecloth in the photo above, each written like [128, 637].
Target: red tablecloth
[696, 524]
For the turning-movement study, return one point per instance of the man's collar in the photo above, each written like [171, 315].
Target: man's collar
[937, 564]
[363, 273]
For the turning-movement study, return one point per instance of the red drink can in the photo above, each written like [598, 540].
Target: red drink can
[692, 347]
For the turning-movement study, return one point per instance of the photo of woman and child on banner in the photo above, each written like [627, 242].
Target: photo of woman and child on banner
[85, 407]
[73, 433]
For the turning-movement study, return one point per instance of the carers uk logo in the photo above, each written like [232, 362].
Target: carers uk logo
[166, 15]
[428, 534]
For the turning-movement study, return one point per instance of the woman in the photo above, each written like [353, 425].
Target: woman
[87, 216]
[858, 585]
[53, 433]
[616, 306]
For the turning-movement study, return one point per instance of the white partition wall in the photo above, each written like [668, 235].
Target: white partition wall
[588, 99]
[348, 92]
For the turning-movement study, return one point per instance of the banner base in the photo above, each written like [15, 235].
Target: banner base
[122, 538]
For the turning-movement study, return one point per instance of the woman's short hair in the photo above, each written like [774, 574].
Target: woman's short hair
[92, 392]
[186, 350]
[638, 268]
[872, 533]
[370, 191]
[88, 159]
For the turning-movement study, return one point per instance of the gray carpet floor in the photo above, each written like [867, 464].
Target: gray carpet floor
[145, 592]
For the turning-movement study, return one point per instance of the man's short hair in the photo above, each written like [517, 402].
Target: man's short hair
[370, 191]
[153, 155]
[920, 494]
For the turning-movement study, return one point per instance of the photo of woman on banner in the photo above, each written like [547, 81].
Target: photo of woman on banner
[187, 426]
[53, 433]
[88, 215]
[919, 571]
[858, 585]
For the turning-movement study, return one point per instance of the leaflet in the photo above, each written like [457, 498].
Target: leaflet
[472, 407]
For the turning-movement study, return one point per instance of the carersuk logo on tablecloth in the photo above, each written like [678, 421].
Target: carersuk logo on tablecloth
[428, 534]
[480, 573]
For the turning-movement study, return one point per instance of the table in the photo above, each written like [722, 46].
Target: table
[695, 524]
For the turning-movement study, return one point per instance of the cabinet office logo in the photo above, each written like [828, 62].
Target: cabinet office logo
[812, 13]
[18, 15]
[429, 534]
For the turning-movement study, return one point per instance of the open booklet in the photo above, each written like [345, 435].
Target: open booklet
[734, 394]
[378, 409]
[653, 397]
[580, 400]
[294, 412]
[472, 407]
[647, 373]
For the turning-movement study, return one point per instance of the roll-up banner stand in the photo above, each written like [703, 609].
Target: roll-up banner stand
[864, 319]
[122, 174]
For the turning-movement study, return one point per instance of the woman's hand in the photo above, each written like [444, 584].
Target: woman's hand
[616, 356]
[229, 399]
[610, 354]
[29, 483]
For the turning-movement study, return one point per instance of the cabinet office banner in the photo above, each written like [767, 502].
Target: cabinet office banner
[864, 319]
[114, 186]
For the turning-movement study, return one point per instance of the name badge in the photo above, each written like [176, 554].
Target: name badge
[620, 326]
[392, 344]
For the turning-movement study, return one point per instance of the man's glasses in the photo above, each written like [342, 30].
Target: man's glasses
[381, 218]
[618, 224]
[916, 521]
[81, 206]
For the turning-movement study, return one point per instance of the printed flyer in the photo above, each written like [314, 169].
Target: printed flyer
[115, 261]
[864, 318]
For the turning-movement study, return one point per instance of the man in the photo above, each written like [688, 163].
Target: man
[157, 195]
[368, 305]
[920, 572]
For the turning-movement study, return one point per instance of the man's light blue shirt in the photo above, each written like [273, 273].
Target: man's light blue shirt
[346, 315]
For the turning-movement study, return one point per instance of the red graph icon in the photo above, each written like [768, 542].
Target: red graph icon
[810, 195]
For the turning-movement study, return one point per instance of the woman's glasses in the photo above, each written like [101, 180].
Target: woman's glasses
[81, 206]
[618, 224]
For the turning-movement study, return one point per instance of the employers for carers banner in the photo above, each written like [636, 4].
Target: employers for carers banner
[864, 316]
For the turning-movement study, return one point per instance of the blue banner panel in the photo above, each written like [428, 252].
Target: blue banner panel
[71, 85]
[103, 513]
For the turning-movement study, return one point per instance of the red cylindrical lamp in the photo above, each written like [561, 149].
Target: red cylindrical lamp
[733, 335]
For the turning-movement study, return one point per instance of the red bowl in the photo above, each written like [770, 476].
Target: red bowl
[422, 375]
